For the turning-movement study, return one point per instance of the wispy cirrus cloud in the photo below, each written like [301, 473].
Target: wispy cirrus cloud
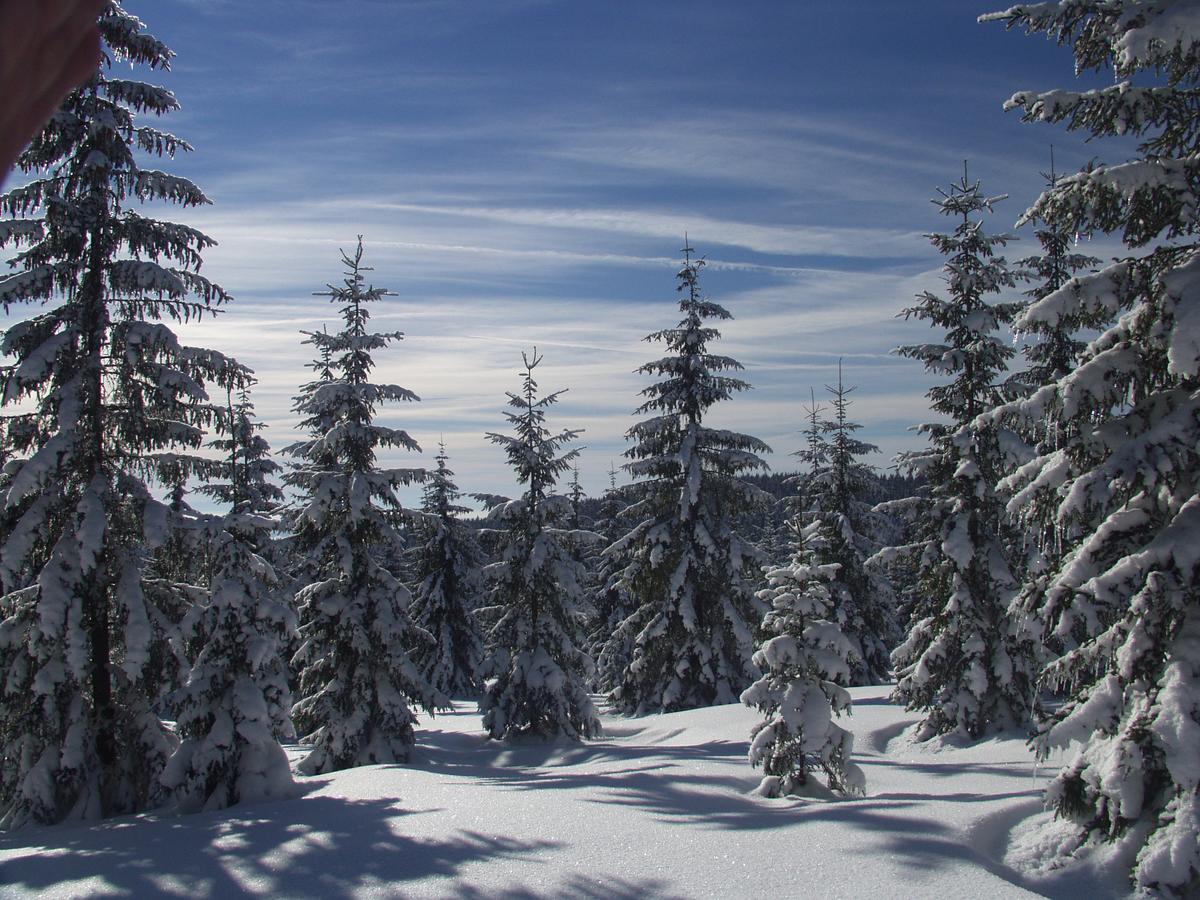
[524, 172]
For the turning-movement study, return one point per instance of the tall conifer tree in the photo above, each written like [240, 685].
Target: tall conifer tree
[104, 404]
[1052, 351]
[610, 644]
[834, 493]
[357, 679]
[537, 675]
[690, 574]
[957, 664]
[448, 589]
[236, 703]
[1125, 600]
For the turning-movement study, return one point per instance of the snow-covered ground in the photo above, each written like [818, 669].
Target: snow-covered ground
[658, 807]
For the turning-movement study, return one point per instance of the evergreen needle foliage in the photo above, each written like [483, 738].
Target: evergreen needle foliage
[448, 589]
[959, 663]
[689, 574]
[103, 406]
[1122, 604]
[235, 705]
[537, 675]
[357, 677]
[833, 497]
[611, 647]
[805, 661]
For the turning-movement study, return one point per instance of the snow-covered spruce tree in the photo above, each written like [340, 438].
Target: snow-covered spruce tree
[610, 645]
[252, 484]
[235, 704]
[1054, 348]
[957, 663]
[805, 660]
[576, 495]
[245, 480]
[183, 558]
[837, 488]
[176, 570]
[103, 403]
[1052, 351]
[815, 456]
[1125, 600]
[294, 566]
[357, 679]
[448, 589]
[771, 524]
[536, 674]
[587, 550]
[690, 574]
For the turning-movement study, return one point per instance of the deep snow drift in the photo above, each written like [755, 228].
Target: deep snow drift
[658, 807]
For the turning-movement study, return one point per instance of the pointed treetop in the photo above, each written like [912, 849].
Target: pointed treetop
[965, 197]
[525, 358]
[354, 280]
[1052, 176]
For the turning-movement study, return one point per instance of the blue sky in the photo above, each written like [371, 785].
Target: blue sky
[523, 172]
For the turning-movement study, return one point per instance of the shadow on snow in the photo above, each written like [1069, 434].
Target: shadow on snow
[317, 847]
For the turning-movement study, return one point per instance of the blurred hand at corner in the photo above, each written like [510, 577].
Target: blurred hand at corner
[47, 47]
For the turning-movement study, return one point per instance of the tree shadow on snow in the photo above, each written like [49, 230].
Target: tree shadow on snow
[925, 848]
[474, 755]
[726, 803]
[656, 779]
[707, 800]
[565, 764]
[317, 847]
[576, 887]
[1022, 771]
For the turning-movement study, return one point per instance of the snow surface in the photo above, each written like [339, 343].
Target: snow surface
[659, 807]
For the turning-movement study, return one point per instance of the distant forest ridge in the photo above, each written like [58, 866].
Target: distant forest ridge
[890, 486]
